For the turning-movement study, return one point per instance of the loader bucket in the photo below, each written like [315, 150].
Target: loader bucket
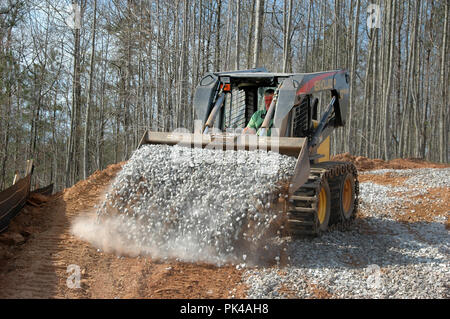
[290, 146]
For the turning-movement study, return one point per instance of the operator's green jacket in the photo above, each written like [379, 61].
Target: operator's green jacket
[257, 120]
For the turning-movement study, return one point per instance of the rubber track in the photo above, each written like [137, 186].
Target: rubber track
[302, 213]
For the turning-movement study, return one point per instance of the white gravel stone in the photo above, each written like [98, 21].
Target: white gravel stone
[194, 204]
[423, 178]
[393, 260]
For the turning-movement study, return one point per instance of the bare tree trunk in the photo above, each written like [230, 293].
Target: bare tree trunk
[307, 34]
[443, 136]
[159, 111]
[89, 99]
[226, 62]
[406, 92]
[238, 34]
[72, 161]
[335, 35]
[6, 135]
[217, 48]
[287, 34]
[182, 99]
[350, 127]
[258, 32]
[373, 108]
[387, 92]
[7, 116]
[366, 115]
[250, 34]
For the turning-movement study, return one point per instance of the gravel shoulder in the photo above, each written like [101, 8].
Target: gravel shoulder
[393, 250]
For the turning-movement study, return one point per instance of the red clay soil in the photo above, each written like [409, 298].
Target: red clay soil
[383, 179]
[315, 290]
[363, 163]
[38, 248]
[420, 208]
[320, 292]
[427, 208]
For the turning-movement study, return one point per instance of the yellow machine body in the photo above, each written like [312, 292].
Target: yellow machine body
[324, 148]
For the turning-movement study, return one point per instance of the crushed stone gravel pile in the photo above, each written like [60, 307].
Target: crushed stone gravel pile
[378, 257]
[195, 204]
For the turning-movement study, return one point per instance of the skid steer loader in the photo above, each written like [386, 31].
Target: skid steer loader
[321, 192]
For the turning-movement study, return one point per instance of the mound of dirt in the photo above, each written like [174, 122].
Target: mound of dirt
[363, 163]
[93, 182]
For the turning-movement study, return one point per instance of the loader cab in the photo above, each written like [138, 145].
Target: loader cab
[241, 104]
[225, 101]
[246, 96]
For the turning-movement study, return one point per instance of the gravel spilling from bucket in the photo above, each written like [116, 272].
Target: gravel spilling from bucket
[378, 257]
[196, 204]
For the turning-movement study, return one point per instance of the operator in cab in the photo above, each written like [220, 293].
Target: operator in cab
[257, 118]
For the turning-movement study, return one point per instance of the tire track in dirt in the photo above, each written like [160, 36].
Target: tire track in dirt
[39, 267]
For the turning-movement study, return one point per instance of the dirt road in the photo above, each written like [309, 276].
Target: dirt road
[39, 267]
